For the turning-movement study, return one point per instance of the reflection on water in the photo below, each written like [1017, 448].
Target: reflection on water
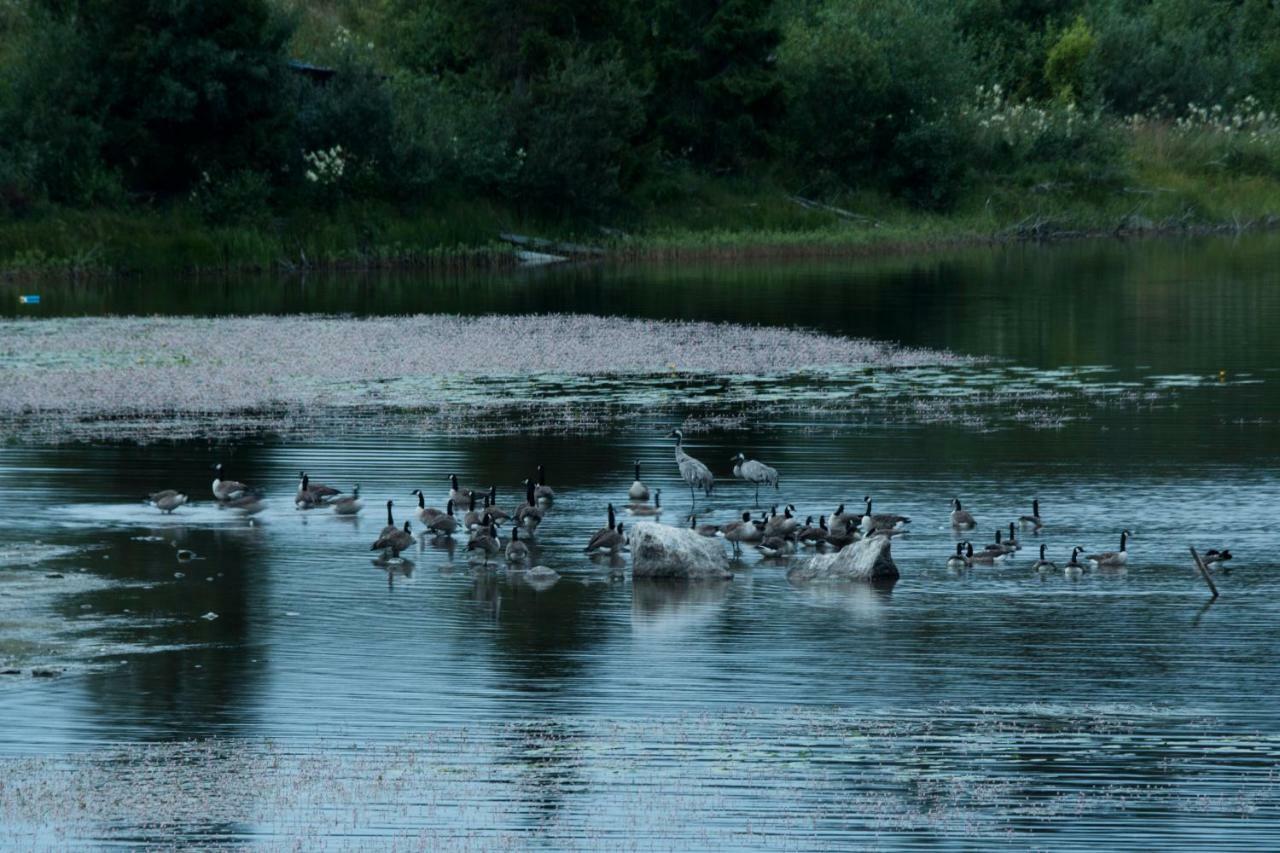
[336, 701]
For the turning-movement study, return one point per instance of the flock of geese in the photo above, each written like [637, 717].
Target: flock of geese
[774, 534]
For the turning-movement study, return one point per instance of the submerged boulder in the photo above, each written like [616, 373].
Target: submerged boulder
[659, 551]
[865, 560]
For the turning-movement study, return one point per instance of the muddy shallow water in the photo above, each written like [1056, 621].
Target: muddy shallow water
[280, 689]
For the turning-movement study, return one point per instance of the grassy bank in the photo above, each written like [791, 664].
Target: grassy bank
[1171, 184]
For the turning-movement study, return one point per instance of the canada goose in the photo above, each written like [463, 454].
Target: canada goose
[348, 504]
[884, 521]
[168, 500]
[1012, 544]
[785, 524]
[444, 524]
[426, 514]
[1043, 565]
[1074, 568]
[319, 491]
[543, 492]
[530, 515]
[608, 540]
[776, 546]
[998, 547]
[958, 560]
[597, 539]
[226, 490]
[638, 491]
[961, 519]
[458, 495]
[499, 515]
[986, 558]
[1033, 521]
[839, 519]
[1113, 558]
[840, 537]
[307, 497]
[646, 509]
[474, 518]
[811, 536]
[754, 472]
[486, 542]
[745, 530]
[517, 551]
[393, 539]
[693, 472]
[1215, 559]
[709, 530]
[247, 504]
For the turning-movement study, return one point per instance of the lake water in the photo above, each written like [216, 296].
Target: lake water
[283, 690]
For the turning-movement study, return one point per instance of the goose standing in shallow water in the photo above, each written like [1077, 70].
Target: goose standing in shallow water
[638, 491]
[426, 514]
[458, 495]
[486, 542]
[646, 509]
[961, 518]
[392, 538]
[1033, 521]
[348, 504]
[499, 515]
[1043, 565]
[693, 472]
[1113, 559]
[594, 543]
[754, 472]
[227, 490]
[443, 524]
[530, 515]
[746, 530]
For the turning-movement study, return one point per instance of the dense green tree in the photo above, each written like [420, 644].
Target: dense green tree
[716, 96]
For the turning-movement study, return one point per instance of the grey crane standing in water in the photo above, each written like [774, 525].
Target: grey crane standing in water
[693, 472]
[755, 472]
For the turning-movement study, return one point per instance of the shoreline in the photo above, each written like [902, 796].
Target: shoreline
[492, 254]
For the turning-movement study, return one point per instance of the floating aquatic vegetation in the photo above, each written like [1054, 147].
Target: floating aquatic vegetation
[153, 379]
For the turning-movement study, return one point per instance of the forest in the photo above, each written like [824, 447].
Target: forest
[141, 134]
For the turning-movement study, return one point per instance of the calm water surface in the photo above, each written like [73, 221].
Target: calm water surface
[332, 704]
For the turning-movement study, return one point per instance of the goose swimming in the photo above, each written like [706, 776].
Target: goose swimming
[1043, 565]
[1113, 558]
[530, 515]
[961, 518]
[1074, 568]
[958, 560]
[1033, 521]
[486, 542]
[708, 530]
[517, 551]
[318, 491]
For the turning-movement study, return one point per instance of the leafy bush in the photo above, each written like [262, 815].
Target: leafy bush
[869, 86]
[1066, 69]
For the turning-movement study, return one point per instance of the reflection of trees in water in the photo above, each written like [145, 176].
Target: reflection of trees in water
[206, 685]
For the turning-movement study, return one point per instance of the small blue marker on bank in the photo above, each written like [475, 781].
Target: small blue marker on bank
[29, 299]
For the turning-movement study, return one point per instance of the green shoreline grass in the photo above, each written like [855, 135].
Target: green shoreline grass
[708, 219]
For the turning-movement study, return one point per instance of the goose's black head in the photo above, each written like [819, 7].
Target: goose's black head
[746, 516]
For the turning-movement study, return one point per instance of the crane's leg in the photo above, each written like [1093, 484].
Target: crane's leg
[757, 495]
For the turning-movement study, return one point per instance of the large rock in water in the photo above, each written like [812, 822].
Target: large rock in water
[865, 560]
[659, 551]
